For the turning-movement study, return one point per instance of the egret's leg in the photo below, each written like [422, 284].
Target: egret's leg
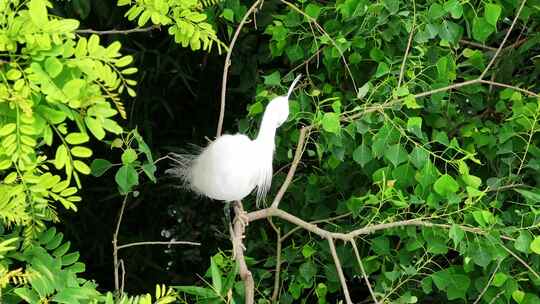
[227, 211]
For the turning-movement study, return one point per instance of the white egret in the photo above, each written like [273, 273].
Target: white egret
[230, 167]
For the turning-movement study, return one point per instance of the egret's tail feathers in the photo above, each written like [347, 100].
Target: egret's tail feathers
[182, 168]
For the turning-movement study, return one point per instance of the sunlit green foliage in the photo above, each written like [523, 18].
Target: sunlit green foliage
[184, 18]
[57, 90]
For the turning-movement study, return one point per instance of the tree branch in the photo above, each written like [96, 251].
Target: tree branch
[292, 169]
[158, 243]
[121, 32]
[504, 41]
[364, 275]
[504, 85]
[409, 42]
[238, 249]
[477, 45]
[339, 270]
[517, 257]
[115, 242]
[251, 10]
[488, 282]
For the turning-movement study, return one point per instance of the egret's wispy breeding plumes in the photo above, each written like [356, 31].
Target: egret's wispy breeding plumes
[230, 167]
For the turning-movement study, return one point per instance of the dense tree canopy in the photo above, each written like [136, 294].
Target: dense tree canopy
[408, 170]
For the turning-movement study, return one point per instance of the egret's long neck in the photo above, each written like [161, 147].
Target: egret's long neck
[267, 132]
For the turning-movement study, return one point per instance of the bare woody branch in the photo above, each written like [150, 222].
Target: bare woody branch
[339, 270]
[118, 32]
[250, 11]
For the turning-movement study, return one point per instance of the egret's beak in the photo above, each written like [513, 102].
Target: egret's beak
[291, 88]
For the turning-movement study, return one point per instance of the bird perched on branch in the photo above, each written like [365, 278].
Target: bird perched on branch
[230, 167]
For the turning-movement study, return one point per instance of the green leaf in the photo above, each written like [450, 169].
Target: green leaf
[53, 66]
[481, 29]
[7, 129]
[410, 102]
[126, 178]
[419, 157]
[330, 122]
[81, 167]
[28, 295]
[529, 195]
[313, 10]
[492, 13]
[535, 245]
[38, 12]
[450, 31]
[76, 138]
[363, 90]
[228, 14]
[321, 292]
[414, 125]
[80, 151]
[454, 8]
[150, 171]
[307, 271]
[273, 79]
[308, 251]
[436, 11]
[381, 245]
[61, 157]
[216, 275]
[518, 296]
[95, 127]
[13, 74]
[396, 154]
[523, 242]
[205, 293]
[499, 279]
[391, 5]
[129, 156]
[446, 185]
[100, 166]
[456, 234]
[382, 69]
[362, 155]
[72, 88]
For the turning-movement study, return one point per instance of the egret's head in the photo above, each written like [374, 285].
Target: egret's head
[277, 110]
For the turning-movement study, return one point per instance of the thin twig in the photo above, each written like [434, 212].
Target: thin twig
[488, 282]
[323, 31]
[122, 282]
[521, 261]
[389, 104]
[504, 85]
[364, 274]
[297, 156]
[501, 46]
[115, 243]
[158, 243]
[251, 10]
[277, 271]
[307, 61]
[122, 32]
[409, 42]
[477, 45]
[339, 270]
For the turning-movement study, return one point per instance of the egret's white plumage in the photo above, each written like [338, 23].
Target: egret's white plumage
[230, 167]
